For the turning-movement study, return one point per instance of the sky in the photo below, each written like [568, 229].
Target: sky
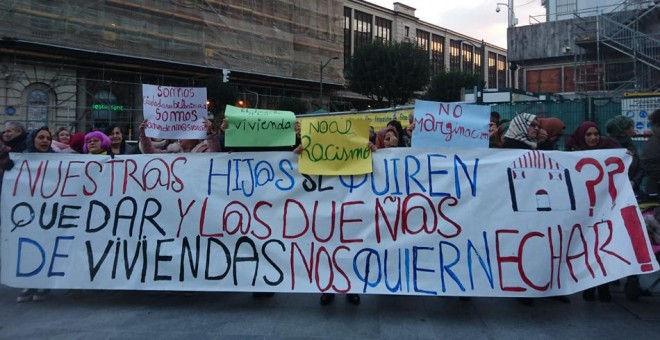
[474, 18]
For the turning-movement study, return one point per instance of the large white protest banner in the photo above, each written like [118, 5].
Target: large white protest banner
[455, 222]
[174, 112]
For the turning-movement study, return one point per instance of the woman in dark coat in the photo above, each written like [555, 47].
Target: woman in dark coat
[621, 129]
[38, 141]
[587, 137]
[15, 136]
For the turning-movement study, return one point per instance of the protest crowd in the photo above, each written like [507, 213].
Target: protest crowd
[524, 131]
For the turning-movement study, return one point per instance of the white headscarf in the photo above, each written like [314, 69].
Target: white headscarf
[518, 128]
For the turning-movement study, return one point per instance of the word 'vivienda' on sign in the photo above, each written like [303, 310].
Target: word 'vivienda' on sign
[423, 222]
[256, 127]
[335, 146]
[174, 112]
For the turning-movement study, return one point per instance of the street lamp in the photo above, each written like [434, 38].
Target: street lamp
[512, 16]
[256, 105]
[322, 65]
[512, 22]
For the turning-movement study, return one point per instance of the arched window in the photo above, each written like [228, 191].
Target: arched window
[38, 103]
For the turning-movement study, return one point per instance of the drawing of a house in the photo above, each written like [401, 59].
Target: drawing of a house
[538, 183]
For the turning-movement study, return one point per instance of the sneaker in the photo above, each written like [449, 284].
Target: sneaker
[40, 295]
[76, 293]
[26, 295]
[262, 295]
[327, 298]
[589, 294]
[631, 289]
[561, 298]
[604, 293]
[353, 299]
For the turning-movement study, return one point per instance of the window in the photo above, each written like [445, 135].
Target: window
[501, 71]
[348, 37]
[468, 63]
[478, 62]
[437, 54]
[38, 102]
[566, 7]
[383, 30]
[492, 70]
[454, 55]
[406, 32]
[362, 28]
[423, 40]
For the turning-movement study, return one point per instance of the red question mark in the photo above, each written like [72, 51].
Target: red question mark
[591, 183]
[619, 169]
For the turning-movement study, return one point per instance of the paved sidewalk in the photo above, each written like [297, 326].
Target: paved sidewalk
[161, 315]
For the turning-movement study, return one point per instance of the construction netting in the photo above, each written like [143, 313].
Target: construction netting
[281, 38]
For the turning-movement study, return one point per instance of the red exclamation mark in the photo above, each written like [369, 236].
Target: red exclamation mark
[636, 233]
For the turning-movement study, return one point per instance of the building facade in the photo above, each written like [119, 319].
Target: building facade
[589, 48]
[446, 49]
[82, 64]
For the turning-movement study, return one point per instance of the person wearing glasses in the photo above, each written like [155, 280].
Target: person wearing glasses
[524, 132]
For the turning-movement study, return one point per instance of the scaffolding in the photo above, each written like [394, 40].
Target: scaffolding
[280, 38]
[619, 50]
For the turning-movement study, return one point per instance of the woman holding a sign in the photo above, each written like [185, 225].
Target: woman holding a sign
[587, 137]
[39, 141]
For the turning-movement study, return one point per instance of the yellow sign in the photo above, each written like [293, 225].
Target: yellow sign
[334, 146]
[379, 120]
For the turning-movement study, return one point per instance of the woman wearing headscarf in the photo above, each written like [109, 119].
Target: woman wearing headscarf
[524, 132]
[403, 140]
[587, 137]
[387, 137]
[621, 129]
[554, 129]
